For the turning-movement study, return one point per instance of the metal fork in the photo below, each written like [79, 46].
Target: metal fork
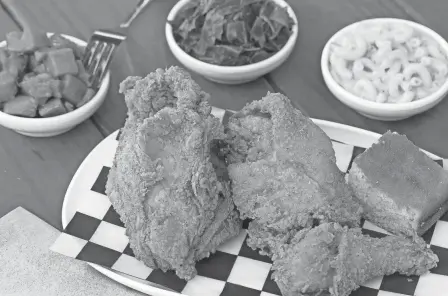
[102, 44]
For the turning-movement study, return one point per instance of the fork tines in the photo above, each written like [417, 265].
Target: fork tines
[98, 54]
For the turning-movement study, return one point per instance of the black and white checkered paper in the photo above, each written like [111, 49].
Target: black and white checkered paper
[95, 234]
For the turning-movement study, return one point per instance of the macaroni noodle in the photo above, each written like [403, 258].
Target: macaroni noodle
[419, 53]
[420, 70]
[353, 50]
[434, 51]
[397, 54]
[381, 97]
[394, 69]
[394, 85]
[365, 89]
[364, 68]
[422, 93]
[340, 66]
[406, 97]
[414, 43]
[402, 33]
[388, 63]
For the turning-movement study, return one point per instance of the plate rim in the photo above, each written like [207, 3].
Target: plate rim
[144, 287]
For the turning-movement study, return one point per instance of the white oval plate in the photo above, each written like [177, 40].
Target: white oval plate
[104, 152]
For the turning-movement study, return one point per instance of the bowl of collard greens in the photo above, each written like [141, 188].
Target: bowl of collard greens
[231, 41]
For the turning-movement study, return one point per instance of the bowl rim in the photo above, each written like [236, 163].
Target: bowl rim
[69, 116]
[362, 103]
[231, 69]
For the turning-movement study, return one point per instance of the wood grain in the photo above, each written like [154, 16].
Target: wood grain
[35, 173]
[300, 77]
[144, 51]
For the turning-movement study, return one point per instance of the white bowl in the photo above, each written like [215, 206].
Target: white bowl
[382, 111]
[231, 74]
[52, 126]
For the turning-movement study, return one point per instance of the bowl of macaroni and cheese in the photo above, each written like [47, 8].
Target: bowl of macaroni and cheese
[386, 69]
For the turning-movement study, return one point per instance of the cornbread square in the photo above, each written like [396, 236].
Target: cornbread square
[400, 188]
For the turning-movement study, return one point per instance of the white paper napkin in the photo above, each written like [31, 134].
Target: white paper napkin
[28, 267]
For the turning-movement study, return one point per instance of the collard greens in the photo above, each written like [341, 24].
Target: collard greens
[232, 32]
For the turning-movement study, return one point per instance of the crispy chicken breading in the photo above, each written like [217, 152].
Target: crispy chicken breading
[173, 87]
[284, 174]
[169, 183]
[334, 260]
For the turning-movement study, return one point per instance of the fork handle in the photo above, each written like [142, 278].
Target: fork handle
[138, 9]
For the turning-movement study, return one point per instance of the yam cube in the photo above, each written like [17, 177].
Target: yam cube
[58, 41]
[24, 106]
[14, 41]
[15, 64]
[41, 54]
[27, 83]
[37, 86]
[68, 106]
[35, 38]
[8, 86]
[41, 101]
[28, 76]
[61, 61]
[82, 73]
[73, 89]
[90, 93]
[3, 56]
[40, 69]
[32, 62]
[31, 39]
[57, 88]
[53, 107]
[41, 87]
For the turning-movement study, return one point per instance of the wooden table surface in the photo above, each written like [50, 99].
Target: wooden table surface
[35, 173]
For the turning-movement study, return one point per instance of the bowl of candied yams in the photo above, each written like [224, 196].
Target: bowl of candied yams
[44, 87]
[386, 69]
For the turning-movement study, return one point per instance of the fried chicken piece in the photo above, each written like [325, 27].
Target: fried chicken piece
[284, 173]
[334, 260]
[172, 87]
[168, 182]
